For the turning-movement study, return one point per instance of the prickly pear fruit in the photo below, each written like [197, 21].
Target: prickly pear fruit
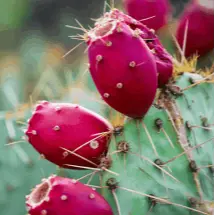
[64, 196]
[56, 128]
[122, 67]
[152, 13]
[198, 19]
[162, 57]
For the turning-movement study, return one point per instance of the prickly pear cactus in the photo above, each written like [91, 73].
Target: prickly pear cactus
[165, 161]
[158, 163]
[21, 166]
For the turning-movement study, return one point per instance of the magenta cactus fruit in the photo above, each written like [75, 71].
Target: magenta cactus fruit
[122, 67]
[152, 13]
[162, 58]
[64, 196]
[199, 19]
[55, 127]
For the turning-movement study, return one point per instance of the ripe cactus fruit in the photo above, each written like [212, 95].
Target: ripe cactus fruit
[164, 165]
[152, 13]
[196, 28]
[57, 196]
[125, 76]
[68, 134]
[162, 58]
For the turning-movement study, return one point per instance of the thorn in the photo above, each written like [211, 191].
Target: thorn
[106, 95]
[70, 51]
[92, 196]
[151, 162]
[63, 197]
[132, 64]
[185, 38]
[116, 201]
[119, 86]
[108, 43]
[44, 212]
[99, 58]
[34, 132]
[150, 139]
[94, 144]
[56, 128]
[112, 184]
[162, 200]
[118, 130]
[119, 30]
[123, 147]
[151, 17]
[193, 166]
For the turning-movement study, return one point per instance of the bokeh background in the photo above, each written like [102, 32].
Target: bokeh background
[33, 39]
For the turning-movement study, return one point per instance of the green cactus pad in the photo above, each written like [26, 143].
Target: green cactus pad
[160, 137]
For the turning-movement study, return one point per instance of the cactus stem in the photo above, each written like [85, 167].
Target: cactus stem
[117, 202]
[189, 150]
[162, 200]
[198, 185]
[147, 159]
[150, 139]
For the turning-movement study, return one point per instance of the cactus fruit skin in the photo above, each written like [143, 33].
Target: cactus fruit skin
[143, 9]
[200, 33]
[57, 195]
[125, 77]
[55, 126]
[138, 177]
[162, 58]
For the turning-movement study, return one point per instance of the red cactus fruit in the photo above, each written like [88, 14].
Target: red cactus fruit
[199, 19]
[55, 126]
[122, 67]
[64, 196]
[162, 58]
[152, 13]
